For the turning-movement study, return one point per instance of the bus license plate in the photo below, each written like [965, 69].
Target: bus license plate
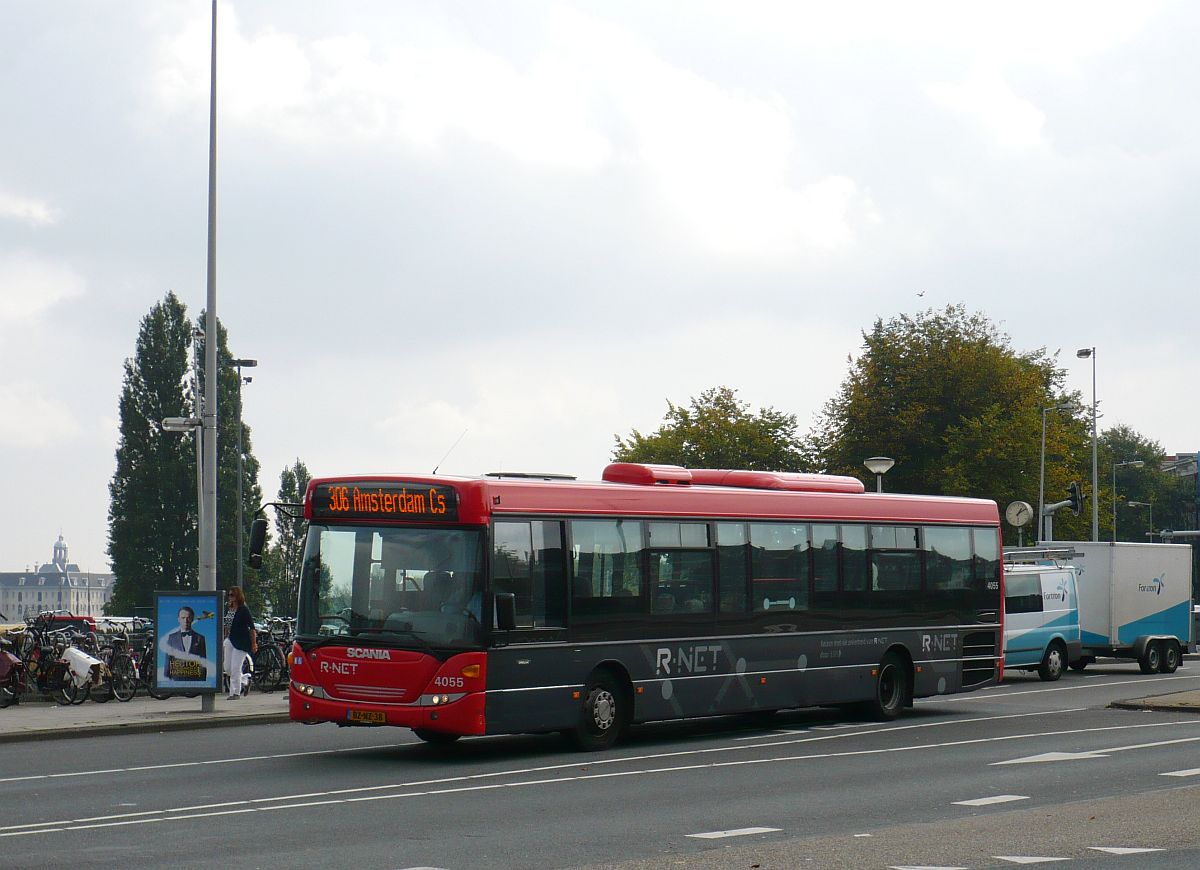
[374, 717]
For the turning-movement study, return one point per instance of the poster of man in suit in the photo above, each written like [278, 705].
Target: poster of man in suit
[188, 641]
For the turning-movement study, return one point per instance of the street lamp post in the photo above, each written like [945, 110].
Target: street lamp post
[1090, 353]
[879, 466]
[240, 364]
[1131, 463]
[1042, 466]
[1145, 504]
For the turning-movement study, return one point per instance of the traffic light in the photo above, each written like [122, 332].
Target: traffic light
[1076, 499]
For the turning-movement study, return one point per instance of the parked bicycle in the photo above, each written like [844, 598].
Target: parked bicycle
[270, 662]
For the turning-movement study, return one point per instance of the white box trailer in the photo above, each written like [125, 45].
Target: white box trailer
[1135, 602]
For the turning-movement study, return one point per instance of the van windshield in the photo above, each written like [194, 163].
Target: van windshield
[418, 588]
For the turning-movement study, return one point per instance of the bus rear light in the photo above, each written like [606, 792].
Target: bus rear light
[471, 671]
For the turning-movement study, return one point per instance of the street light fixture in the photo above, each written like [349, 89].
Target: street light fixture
[1042, 465]
[1131, 463]
[1145, 504]
[240, 364]
[1090, 353]
[879, 466]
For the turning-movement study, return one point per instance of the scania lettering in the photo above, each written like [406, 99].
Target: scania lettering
[523, 603]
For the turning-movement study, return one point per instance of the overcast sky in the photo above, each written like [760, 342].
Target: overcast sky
[536, 222]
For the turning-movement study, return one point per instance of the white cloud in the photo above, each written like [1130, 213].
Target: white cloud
[29, 286]
[29, 419]
[985, 96]
[27, 211]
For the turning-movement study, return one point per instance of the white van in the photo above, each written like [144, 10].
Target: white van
[1041, 618]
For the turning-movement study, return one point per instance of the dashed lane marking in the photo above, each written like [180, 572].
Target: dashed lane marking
[994, 799]
[922, 867]
[960, 698]
[1194, 771]
[1121, 850]
[1027, 859]
[736, 832]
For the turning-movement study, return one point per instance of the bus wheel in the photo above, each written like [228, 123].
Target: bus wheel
[437, 738]
[1170, 658]
[891, 688]
[601, 714]
[1151, 659]
[1054, 663]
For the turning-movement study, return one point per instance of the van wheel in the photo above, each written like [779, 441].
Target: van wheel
[1054, 663]
[1151, 659]
[1170, 658]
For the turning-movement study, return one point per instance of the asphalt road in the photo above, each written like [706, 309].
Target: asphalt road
[994, 778]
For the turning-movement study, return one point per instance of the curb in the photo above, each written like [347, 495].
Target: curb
[188, 724]
[1154, 705]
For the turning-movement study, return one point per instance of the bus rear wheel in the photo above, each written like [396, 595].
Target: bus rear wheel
[1170, 658]
[601, 715]
[1151, 659]
[891, 689]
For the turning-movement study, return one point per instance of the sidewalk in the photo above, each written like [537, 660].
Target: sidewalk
[43, 720]
[1178, 702]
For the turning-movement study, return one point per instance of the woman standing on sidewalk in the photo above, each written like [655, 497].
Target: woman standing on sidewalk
[241, 642]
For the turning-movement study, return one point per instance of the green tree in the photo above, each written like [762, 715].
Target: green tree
[152, 532]
[1170, 495]
[281, 573]
[717, 431]
[946, 396]
[228, 415]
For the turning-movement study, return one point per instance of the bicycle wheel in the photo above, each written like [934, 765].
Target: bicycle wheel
[66, 694]
[124, 678]
[263, 679]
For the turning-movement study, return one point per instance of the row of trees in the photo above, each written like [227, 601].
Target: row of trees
[946, 396]
[153, 510]
[943, 393]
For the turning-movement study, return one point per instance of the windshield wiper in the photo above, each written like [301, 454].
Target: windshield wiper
[404, 632]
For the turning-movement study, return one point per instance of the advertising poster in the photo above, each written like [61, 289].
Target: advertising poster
[188, 631]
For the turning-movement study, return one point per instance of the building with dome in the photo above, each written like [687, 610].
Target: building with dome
[57, 585]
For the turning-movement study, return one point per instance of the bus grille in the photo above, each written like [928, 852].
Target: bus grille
[368, 693]
[979, 654]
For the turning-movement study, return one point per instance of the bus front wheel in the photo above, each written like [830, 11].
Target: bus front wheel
[601, 715]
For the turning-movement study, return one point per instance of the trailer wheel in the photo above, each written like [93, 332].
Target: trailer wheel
[1170, 658]
[1054, 663]
[1151, 659]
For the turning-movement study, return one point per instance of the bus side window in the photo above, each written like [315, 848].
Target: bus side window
[948, 559]
[854, 559]
[606, 573]
[732, 560]
[987, 558]
[527, 560]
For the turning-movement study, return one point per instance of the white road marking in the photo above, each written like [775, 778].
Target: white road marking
[976, 697]
[737, 832]
[1121, 850]
[1027, 859]
[1050, 756]
[922, 867]
[994, 799]
[111, 770]
[1095, 753]
[377, 792]
[1194, 771]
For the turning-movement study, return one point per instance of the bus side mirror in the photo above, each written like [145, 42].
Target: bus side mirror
[506, 611]
[258, 538]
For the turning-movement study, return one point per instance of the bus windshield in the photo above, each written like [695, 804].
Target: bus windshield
[418, 588]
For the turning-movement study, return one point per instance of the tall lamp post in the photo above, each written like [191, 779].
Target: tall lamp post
[1090, 353]
[1145, 504]
[879, 466]
[1131, 463]
[240, 364]
[1042, 466]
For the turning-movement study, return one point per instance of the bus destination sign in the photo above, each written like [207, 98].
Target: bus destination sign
[385, 500]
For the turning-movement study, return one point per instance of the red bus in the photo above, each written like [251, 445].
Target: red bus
[531, 603]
